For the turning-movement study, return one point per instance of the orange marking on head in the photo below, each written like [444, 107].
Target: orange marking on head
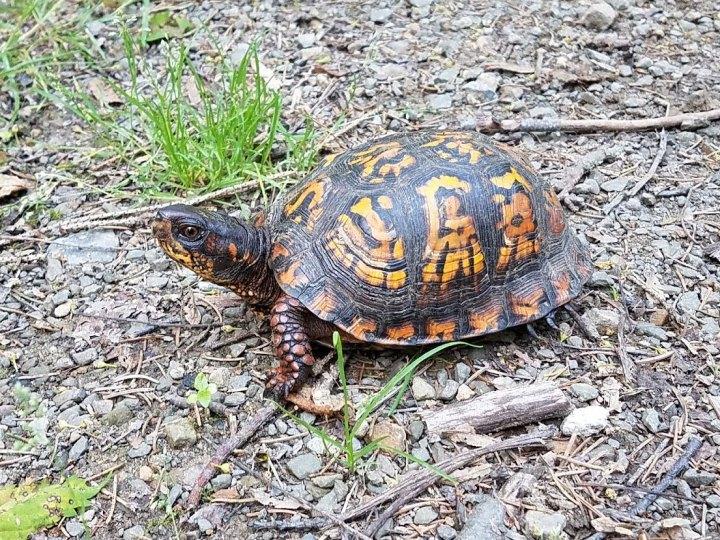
[401, 333]
[528, 304]
[232, 251]
[507, 180]
[440, 329]
[485, 321]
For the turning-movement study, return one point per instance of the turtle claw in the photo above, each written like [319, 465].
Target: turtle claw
[278, 385]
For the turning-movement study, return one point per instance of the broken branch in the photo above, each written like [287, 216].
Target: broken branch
[499, 410]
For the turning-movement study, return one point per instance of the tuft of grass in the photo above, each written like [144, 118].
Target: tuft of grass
[38, 37]
[397, 384]
[181, 133]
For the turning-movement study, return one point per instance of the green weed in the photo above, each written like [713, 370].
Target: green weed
[183, 134]
[397, 385]
[204, 391]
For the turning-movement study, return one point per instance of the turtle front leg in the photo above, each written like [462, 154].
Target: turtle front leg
[288, 320]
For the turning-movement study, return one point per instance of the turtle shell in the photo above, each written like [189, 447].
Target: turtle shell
[426, 237]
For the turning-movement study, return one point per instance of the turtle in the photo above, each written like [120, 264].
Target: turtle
[410, 239]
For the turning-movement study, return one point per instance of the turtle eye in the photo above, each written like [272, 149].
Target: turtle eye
[190, 232]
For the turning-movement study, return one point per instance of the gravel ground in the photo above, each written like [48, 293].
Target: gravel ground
[108, 391]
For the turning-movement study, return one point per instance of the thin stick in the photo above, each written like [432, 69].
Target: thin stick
[685, 120]
[273, 485]
[679, 466]
[241, 437]
[416, 484]
[644, 180]
[302, 524]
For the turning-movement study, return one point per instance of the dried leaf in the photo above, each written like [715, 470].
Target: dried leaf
[13, 186]
[166, 25]
[266, 500]
[103, 93]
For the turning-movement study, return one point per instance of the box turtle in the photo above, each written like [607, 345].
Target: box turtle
[410, 239]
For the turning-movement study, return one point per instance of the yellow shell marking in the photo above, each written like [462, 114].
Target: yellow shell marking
[507, 180]
[462, 252]
[370, 157]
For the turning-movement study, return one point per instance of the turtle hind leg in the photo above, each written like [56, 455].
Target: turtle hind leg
[291, 344]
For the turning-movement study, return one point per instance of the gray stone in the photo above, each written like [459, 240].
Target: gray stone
[688, 302]
[424, 515]
[221, 481]
[416, 429]
[683, 488]
[614, 184]
[441, 101]
[63, 310]
[449, 390]
[649, 329]
[586, 421]
[306, 40]
[142, 450]
[696, 478]
[304, 465]
[446, 532]
[74, 527]
[238, 53]
[486, 82]
[422, 390]
[588, 187]
[651, 419]
[204, 525]
[606, 321]
[380, 14]
[544, 526]
[136, 532]
[486, 521]
[73, 394]
[421, 3]
[78, 449]
[599, 16]
[462, 372]
[118, 416]
[180, 432]
[600, 278]
[584, 392]
[85, 357]
[447, 75]
[98, 246]
[713, 501]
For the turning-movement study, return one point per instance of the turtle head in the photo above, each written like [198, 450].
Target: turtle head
[216, 246]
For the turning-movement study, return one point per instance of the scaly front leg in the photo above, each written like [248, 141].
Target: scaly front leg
[288, 319]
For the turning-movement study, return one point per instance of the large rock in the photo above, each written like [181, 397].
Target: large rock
[486, 521]
[586, 421]
[544, 526]
[599, 16]
[389, 434]
[180, 433]
[304, 465]
[98, 246]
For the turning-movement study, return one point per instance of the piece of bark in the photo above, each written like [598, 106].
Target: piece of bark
[499, 410]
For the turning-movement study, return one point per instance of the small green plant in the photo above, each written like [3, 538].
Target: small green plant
[182, 133]
[27, 508]
[204, 391]
[398, 384]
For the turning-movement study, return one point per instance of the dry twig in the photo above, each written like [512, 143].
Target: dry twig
[684, 121]
[241, 437]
